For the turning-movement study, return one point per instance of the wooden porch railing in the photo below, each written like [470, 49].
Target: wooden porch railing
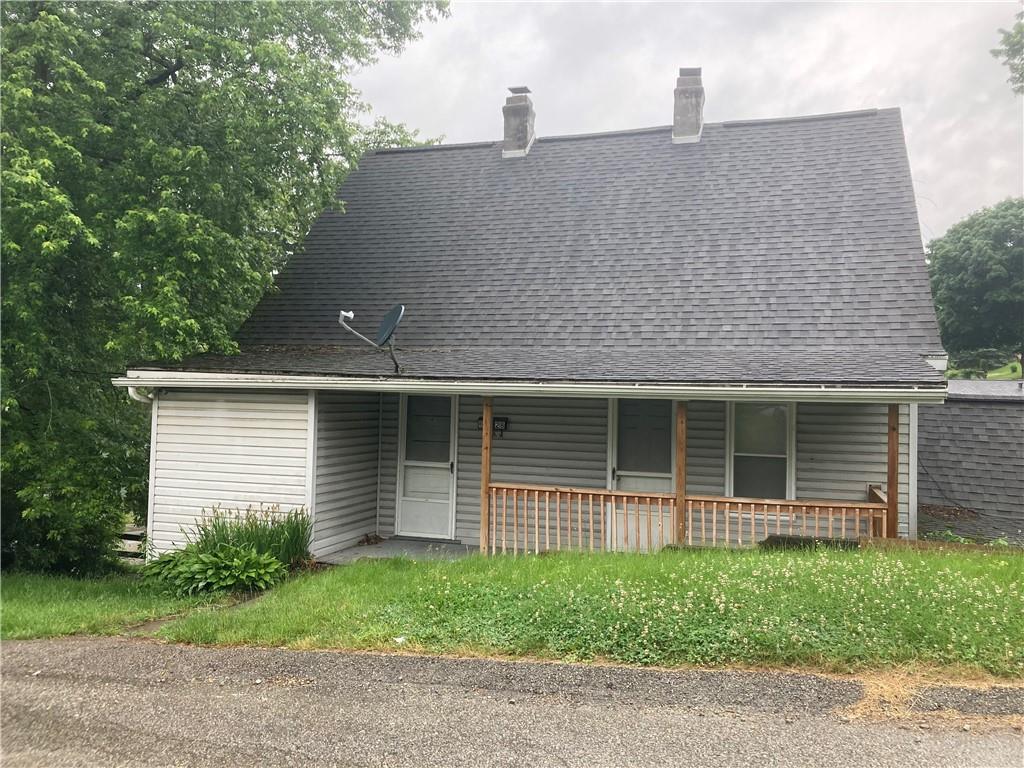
[735, 522]
[538, 518]
[542, 518]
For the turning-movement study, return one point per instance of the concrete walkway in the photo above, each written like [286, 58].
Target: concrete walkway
[413, 549]
[120, 702]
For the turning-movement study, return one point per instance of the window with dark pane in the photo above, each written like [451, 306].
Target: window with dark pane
[428, 429]
[759, 450]
[645, 436]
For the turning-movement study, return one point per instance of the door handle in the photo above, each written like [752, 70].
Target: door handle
[451, 467]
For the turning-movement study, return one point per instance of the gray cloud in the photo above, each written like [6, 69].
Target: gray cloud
[598, 67]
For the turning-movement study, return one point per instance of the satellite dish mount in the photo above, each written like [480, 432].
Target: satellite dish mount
[385, 332]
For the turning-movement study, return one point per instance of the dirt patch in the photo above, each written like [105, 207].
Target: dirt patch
[922, 698]
[152, 626]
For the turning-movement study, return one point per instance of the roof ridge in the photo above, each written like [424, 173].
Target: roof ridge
[429, 147]
[597, 134]
[653, 129]
[802, 118]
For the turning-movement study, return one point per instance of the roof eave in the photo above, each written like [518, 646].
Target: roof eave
[803, 392]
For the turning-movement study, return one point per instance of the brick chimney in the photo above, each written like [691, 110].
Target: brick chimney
[518, 112]
[688, 120]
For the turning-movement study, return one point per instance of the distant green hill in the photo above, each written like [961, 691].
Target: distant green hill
[1008, 371]
[1011, 370]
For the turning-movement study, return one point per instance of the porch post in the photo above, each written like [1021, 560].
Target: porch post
[485, 474]
[892, 486]
[680, 472]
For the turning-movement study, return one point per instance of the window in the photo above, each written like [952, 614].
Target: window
[643, 445]
[760, 450]
[428, 429]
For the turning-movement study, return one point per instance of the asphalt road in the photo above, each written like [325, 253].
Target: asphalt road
[115, 702]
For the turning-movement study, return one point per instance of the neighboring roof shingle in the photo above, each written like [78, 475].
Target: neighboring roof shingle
[786, 249]
[970, 455]
[978, 389]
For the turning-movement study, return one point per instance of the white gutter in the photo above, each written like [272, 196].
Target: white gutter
[737, 392]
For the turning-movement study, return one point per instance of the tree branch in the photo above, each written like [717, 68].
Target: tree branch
[163, 77]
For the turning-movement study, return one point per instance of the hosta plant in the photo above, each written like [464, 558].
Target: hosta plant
[227, 568]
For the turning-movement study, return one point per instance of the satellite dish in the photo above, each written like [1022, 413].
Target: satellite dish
[385, 332]
[389, 324]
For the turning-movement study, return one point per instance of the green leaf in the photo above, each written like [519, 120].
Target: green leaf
[144, 214]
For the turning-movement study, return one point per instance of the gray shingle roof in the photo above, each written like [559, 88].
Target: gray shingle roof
[785, 249]
[697, 365]
[978, 389]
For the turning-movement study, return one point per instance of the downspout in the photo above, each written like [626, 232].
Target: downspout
[150, 400]
[912, 463]
[133, 393]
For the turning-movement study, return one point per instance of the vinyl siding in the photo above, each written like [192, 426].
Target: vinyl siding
[229, 449]
[550, 441]
[346, 470]
[467, 491]
[842, 448]
[388, 464]
[705, 448]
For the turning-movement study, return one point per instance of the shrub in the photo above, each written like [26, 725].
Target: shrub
[76, 536]
[266, 530]
[227, 568]
[233, 551]
[74, 473]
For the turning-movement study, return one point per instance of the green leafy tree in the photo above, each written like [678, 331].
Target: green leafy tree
[976, 363]
[1011, 51]
[977, 277]
[160, 159]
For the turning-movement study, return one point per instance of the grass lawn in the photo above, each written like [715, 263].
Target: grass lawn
[37, 605]
[836, 610]
[1009, 371]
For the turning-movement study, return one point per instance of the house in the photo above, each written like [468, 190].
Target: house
[971, 461]
[702, 333]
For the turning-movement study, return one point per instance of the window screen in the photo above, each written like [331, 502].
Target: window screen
[759, 450]
[761, 429]
[645, 436]
[428, 429]
[759, 477]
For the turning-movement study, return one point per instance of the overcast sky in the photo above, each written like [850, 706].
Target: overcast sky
[600, 67]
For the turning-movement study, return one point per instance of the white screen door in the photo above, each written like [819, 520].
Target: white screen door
[642, 450]
[426, 478]
[641, 454]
